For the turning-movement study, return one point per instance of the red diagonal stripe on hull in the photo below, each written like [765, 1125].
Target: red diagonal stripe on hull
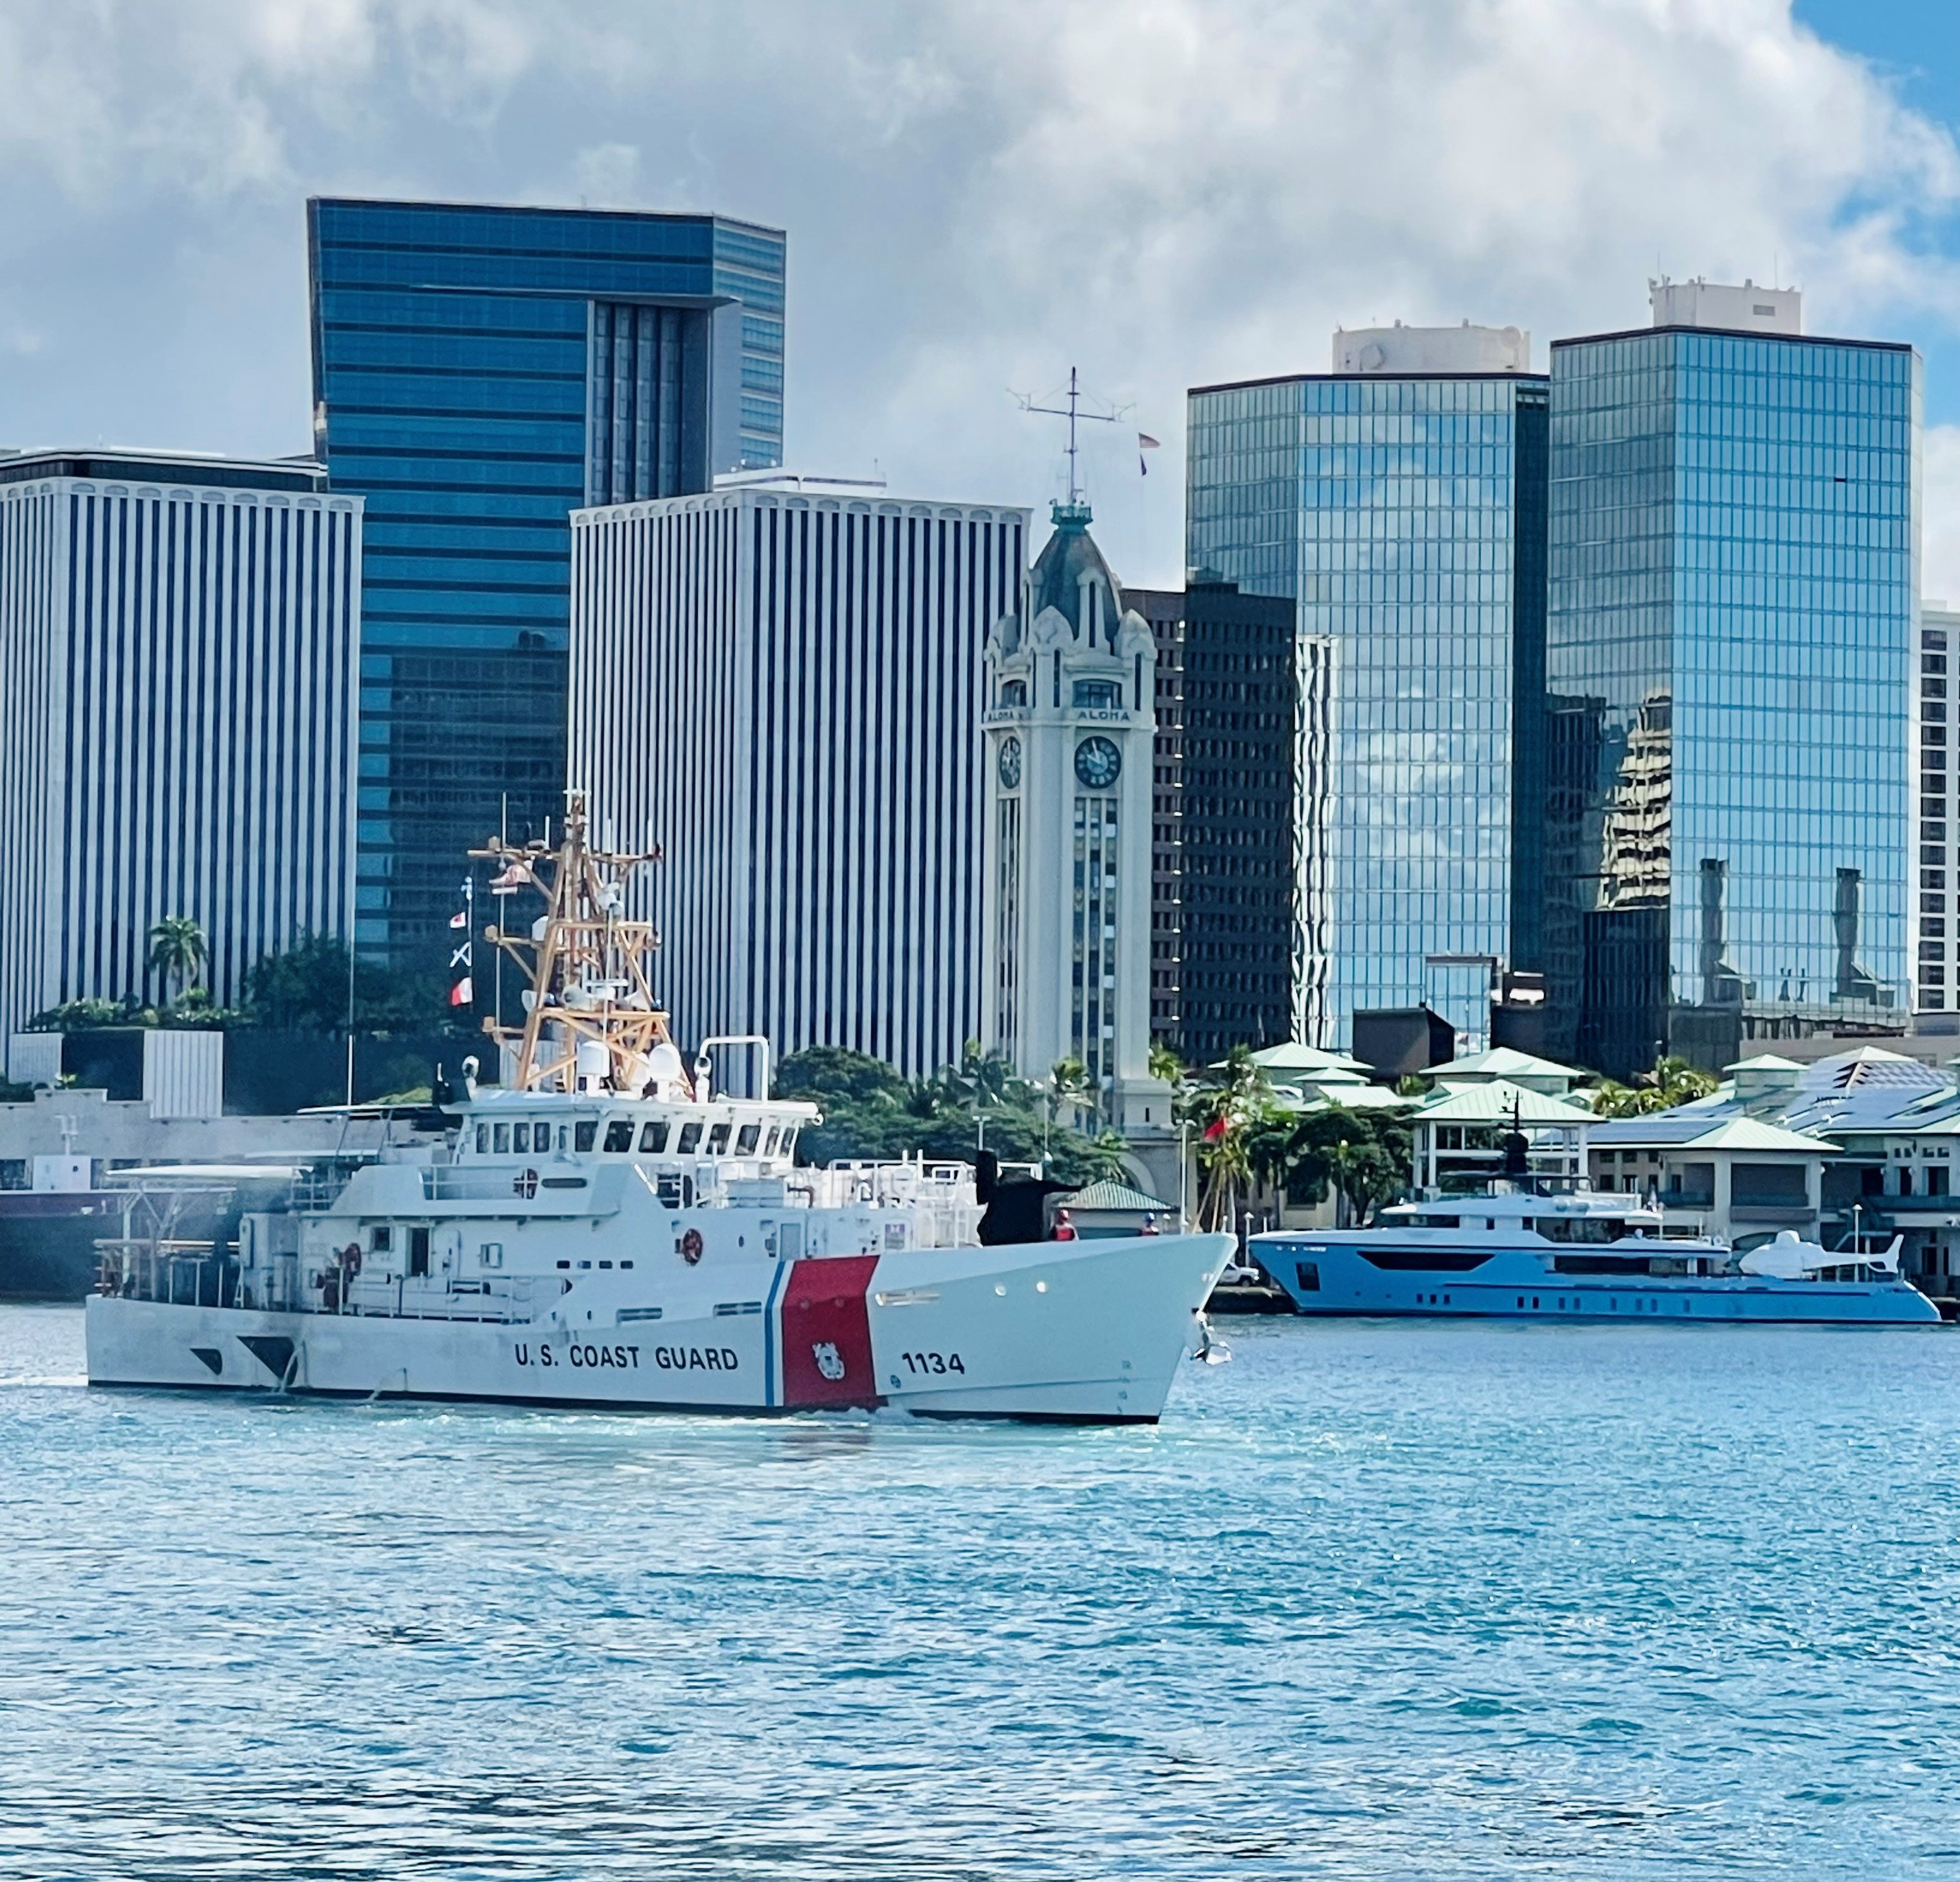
[823, 1306]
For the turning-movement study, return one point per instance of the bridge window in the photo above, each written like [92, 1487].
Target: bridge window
[745, 1141]
[585, 1132]
[717, 1140]
[690, 1140]
[520, 1138]
[482, 1140]
[619, 1136]
[654, 1136]
[501, 1139]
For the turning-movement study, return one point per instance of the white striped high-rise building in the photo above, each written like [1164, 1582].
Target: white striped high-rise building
[179, 647]
[780, 685]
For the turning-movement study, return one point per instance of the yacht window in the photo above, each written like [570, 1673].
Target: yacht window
[564, 1264]
[418, 1251]
[520, 1138]
[1308, 1274]
[788, 1143]
[585, 1132]
[482, 1140]
[501, 1139]
[625, 1264]
[383, 1238]
[746, 1139]
[619, 1136]
[690, 1140]
[769, 1141]
[605, 1264]
[717, 1140]
[653, 1137]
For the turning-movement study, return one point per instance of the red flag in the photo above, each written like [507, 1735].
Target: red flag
[462, 993]
[1215, 1130]
[460, 918]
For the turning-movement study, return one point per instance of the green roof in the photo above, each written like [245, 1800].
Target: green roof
[1107, 1195]
[1504, 1061]
[1497, 1102]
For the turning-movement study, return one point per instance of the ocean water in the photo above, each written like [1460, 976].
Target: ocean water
[1375, 1600]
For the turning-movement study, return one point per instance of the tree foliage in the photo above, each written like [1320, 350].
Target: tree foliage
[302, 989]
[1672, 1081]
[178, 950]
[872, 1112]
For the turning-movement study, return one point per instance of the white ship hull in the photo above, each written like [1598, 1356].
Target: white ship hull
[1084, 1332]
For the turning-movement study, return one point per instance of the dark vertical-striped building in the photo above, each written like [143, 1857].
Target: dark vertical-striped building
[179, 647]
[1224, 912]
[780, 685]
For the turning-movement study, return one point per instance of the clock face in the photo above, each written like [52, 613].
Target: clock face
[1010, 764]
[1097, 763]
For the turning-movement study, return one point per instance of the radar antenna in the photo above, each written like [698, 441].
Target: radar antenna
[586, 961]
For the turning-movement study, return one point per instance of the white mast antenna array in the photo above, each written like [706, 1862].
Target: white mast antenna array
[1073, 412]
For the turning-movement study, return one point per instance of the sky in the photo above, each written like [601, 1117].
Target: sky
[978, 197]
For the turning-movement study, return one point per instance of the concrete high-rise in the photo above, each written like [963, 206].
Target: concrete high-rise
[1734, 576]
[478, 374]
[1399, 501]
[178, 645]
[779, 684]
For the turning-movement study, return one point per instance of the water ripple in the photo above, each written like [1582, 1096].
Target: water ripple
[1377, 1601]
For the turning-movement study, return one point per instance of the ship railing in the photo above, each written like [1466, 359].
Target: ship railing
[174, 1272]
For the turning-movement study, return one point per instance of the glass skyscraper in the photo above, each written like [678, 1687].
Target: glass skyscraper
[1733, 588]
[478, 373]
[1405, 513]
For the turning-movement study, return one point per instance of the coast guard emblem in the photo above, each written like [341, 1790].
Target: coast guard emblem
[829, 1361]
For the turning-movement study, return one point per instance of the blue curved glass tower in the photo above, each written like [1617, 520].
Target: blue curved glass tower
[479, 373]
[1734, 581]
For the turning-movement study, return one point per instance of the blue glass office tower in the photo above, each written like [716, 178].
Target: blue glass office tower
[1733, 587]
[478, 373]
[1404, 514]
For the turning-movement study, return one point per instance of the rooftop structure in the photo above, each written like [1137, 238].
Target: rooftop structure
[1431, 349]
[1748, 309]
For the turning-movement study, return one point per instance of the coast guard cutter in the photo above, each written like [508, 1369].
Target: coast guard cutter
[606, 1230]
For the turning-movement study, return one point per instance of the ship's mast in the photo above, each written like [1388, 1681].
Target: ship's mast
[586, 961]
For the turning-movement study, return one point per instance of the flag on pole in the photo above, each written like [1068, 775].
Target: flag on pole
[462, 993]
[459, 957]
[460, 918]
[1145, 442]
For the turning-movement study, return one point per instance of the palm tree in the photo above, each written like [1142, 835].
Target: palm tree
[1165, 1066]
[1068, 1083]
[177, 950]
[1226, 1110]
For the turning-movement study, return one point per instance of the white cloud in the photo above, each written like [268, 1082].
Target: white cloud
[1163, 191]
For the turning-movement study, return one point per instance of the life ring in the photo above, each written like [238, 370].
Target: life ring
[690, 1245]
[525, 1184]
